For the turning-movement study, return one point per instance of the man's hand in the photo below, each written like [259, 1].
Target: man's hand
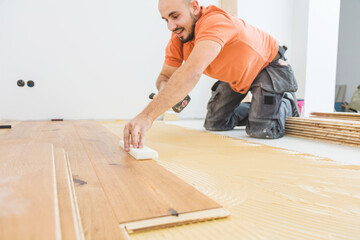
[134, 131]
[181, 82]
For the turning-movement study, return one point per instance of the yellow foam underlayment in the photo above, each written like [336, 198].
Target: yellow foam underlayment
[272, 193]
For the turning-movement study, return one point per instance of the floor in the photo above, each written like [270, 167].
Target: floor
[289, 190]
[335, 152]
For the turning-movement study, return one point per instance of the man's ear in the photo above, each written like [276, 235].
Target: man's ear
[195, 7]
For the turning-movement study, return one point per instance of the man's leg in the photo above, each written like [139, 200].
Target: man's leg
[224, 108]
[269, 110]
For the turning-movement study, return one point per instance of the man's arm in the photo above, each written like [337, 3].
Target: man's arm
[181, 82]
[165, 74]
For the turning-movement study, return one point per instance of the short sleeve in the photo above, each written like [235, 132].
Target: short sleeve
[173, 52]
[218, 28]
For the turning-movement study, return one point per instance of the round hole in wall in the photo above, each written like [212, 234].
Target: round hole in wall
[30, 83]
[20, 83]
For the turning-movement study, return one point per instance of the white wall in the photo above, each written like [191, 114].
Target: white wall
[274, 17]
[100, 59]
[300, 15]
[88, 58]
[322, 44]
[348, 66]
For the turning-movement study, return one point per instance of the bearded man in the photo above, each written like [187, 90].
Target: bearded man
[207, 40]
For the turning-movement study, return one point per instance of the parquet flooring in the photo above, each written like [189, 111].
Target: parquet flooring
[100, 189]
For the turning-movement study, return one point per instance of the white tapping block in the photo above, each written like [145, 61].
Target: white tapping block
[141, 153]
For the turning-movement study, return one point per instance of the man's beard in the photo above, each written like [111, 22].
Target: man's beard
[191, 34]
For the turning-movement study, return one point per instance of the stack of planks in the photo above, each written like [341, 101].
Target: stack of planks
[71, 180]
[337, 115]
[331, 130]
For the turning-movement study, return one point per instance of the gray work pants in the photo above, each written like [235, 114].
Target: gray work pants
[272, 102]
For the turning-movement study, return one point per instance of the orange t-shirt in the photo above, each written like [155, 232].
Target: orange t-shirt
[246, 50]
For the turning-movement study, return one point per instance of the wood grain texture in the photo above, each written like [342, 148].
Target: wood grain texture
[97, 218]
[331, 130]
[21, 132]
[100, 185]
[170, 221]
[272, 193]
[7, 131]
[28, 203]
[337, 115]
[137, 190]
[69, 218]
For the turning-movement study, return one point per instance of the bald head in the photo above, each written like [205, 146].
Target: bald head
[180, 16]
[185, 2]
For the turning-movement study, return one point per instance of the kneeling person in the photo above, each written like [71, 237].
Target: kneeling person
[208, 40]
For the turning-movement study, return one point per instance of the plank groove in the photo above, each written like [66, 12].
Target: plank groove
[97, 218]
[96, 187]
[69, 218]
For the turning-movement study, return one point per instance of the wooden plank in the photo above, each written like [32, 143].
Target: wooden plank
[337, 115]
[6, 131]
[323, 136]
[97, 218]
[70, 217]
[334, 130]
[21, 132]
[325, 121]
[279, 194]
[351, 135]
[146, 189]
[28, 196]
[340, 126]
[169, 221]
[319, 138]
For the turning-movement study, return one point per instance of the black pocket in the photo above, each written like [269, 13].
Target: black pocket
[282, 77]
[265, 105]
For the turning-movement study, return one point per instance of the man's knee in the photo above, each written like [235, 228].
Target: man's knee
[219, 125]
[266, 129]
[272, 128]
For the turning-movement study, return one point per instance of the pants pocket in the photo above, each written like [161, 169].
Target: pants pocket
[282, 77]
[265, 105]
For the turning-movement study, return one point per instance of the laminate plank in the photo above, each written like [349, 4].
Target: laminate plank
[21, 132]
[97, 218]
[334, 130]
[335, 122]
[321, 138]
[137, 190]
[28, 196]
[326, 131]
[333, 138]
[71, 228]
[337, 115]
[272, 193]
[325, 126]
[6, 131]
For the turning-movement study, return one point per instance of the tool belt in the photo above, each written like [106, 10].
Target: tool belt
[280, 53]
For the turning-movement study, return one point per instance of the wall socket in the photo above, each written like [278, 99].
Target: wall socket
[29, 83]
